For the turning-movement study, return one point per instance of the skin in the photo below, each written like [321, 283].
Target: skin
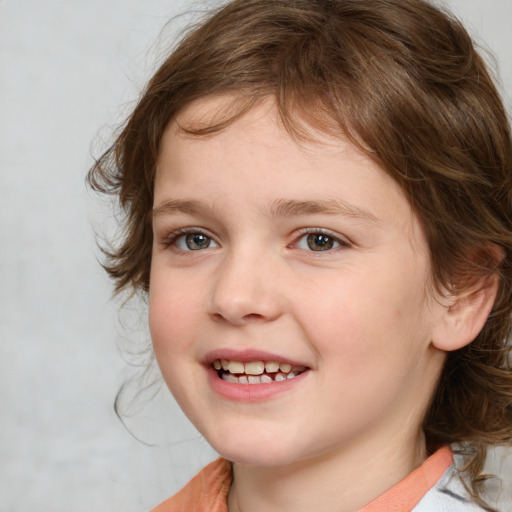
[360, 316]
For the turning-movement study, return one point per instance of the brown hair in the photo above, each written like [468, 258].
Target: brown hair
[403, 81]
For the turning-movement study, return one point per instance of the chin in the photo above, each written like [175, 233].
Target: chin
[250, 449]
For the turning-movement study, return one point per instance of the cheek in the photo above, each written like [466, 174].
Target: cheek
[172, 315]
[369, 347]
[366, 321]
[171, 324]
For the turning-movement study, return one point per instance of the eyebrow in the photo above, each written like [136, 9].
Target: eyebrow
[173, 206]
[290, 208]
[278, 208]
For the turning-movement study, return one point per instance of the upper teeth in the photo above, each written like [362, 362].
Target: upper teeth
[254, 367]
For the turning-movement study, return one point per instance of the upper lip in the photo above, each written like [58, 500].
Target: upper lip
[248, 355]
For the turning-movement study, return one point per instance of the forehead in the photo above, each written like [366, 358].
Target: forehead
[254, 162]
[307, 118]
[259, 124]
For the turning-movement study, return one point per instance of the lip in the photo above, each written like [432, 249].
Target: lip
[246, 356]
[250, 392]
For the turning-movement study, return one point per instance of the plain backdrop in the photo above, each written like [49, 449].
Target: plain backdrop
[69, 71]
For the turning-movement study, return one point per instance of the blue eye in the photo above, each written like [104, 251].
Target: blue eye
[318, 242]
[196, 241]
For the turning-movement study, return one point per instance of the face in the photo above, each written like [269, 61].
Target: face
[290, 306]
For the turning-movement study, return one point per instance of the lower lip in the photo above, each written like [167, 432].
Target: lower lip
[251, 392]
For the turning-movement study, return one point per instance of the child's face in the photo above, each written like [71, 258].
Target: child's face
[309, 255]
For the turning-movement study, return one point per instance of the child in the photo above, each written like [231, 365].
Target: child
[318, 200]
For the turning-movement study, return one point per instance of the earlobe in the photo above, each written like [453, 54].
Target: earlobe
[465, 315]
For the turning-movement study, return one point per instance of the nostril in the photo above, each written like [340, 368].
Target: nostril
[237, 320]
[253, 316]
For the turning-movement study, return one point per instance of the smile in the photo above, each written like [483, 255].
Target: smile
[255, 372]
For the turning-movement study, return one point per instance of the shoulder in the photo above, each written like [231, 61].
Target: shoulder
[448, 495]
[208, 490]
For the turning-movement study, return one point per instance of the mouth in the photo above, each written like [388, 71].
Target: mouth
[255, 372]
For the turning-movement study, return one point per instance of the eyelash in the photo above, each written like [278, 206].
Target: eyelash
[175, 236]
[342, 243]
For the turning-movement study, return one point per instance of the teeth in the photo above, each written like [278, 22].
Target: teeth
[271, 367]
[230, 378]
[236, 367]
[257, 379]
[255, 368]
[255, 372]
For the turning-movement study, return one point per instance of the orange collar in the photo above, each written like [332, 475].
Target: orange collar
[405, 495]
[209, 489]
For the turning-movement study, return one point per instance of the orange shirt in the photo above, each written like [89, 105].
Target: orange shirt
[208, 490]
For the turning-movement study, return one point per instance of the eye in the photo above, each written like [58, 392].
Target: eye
[194, 241]
[319, 241]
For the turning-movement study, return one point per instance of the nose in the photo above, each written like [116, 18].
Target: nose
[245, 291]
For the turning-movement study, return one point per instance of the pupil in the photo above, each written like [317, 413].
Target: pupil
[197, 241]
[319, 242]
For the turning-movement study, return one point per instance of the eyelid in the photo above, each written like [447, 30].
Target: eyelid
[170, 239]
[343, 241]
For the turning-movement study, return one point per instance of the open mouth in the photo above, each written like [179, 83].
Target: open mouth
[255, 372]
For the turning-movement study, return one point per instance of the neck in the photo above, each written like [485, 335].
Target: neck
[342, 481]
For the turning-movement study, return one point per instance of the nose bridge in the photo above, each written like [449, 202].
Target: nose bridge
[244, 289]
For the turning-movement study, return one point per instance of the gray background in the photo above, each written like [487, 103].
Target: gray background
[70, 70]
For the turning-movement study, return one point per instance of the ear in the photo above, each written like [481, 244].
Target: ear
[465, 315]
